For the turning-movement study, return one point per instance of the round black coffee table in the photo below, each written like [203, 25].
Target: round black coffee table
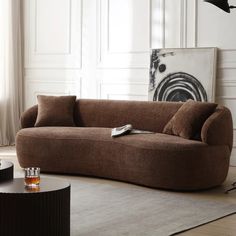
[38, 212]
[6, 170]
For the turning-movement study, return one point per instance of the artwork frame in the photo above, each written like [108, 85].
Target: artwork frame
[179, 74]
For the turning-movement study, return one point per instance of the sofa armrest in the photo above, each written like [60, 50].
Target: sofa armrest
[28, 118]
[218, 128]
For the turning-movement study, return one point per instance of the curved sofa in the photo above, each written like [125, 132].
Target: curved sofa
[155, 160]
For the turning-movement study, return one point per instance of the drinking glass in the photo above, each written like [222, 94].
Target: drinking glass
[32, 177]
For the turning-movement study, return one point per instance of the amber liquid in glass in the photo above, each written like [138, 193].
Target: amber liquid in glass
[32, 181]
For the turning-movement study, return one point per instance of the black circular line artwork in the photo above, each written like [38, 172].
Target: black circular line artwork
[155, 65]
[179, 87]
[162, 68]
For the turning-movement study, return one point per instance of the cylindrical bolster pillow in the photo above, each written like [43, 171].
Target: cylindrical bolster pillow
[218, 128]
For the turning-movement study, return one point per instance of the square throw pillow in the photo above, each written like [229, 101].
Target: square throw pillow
[55, 111]
[189, 119]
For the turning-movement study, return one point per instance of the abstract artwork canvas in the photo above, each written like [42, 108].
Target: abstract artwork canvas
[182, 74]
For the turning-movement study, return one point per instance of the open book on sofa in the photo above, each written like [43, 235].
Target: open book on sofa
[127, 129]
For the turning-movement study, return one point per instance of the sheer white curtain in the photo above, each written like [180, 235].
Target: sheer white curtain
[11, 90]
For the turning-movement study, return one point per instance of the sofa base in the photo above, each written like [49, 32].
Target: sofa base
[152, 160]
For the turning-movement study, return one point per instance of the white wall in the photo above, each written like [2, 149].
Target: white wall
[91, 48]
[100, 48]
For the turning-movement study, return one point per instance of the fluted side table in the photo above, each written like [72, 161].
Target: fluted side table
[6, 170]
[44, 211]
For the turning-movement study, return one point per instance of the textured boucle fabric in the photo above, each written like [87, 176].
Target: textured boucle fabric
[155, 160]
[189, 119]
[55, 111]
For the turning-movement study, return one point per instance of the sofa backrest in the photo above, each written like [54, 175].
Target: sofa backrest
[151, 116]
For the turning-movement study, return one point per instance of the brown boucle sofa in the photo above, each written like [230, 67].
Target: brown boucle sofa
[156, 160]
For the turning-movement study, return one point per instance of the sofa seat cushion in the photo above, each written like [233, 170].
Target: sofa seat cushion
[155, 141]
[154, 160]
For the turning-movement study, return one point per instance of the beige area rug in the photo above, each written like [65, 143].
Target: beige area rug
[110, 208]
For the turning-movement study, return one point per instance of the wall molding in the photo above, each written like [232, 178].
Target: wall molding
[227, 83]
[108, 50]
[226, 97]
[107, 58]
[188, 23]
[195, 43]
[119, 89]
[227, 59]
[52, 86]
[69, 35]
[72, 59]
[163, 22]
[183, 23]
[112, 96]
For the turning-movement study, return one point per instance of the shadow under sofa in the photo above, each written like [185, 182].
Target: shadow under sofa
[155, 160]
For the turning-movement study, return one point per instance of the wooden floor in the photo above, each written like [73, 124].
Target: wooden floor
[223, 227]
